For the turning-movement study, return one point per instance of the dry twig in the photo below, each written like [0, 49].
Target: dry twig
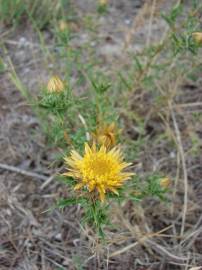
[20, 171]
[182, 155]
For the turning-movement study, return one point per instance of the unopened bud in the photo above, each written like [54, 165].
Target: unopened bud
[197, 37]
[165, 182]
[103, 2]
[63, 26]
[55, 85]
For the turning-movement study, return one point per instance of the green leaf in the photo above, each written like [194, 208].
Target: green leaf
[62, 203]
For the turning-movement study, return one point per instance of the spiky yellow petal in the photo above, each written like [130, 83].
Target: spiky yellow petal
[78, 186]
[98, 170]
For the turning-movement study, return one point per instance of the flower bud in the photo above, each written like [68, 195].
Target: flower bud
[55, 85]
[197, 37]
[103, 2]
[165, 182]
[63, 26]
[106, 135]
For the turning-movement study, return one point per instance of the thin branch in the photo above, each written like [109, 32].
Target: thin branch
[20, 171]
[163, 251]
[182, 155]
[185, 105]
[123, 250]
[85, 126]
[149, 34]
[50, 179]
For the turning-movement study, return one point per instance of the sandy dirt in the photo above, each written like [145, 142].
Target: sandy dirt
[33, 236]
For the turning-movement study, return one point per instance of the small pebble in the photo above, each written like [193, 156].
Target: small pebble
[22, 42]
[58, 237]
[172, 154]
[127, 21]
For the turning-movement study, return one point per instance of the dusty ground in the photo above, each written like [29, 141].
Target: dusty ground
[33, 238]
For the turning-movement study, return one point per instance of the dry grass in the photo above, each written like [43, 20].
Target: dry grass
[149, 235]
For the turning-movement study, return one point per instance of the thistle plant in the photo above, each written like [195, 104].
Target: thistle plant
[102, 6]
[96, 171]
[87, 127]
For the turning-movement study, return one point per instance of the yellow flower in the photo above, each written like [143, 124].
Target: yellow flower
[197, 37]
[63, 26]
[106, 135]
[98, 170]
[165, 182]
[55, 84]
[103, 2]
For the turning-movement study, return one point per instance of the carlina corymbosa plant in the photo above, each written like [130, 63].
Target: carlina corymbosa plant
[96, 172]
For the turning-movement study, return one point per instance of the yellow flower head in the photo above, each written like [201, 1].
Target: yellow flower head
[63, 26]
[55, 85]
[106, 135]
[165, 182]
[98, 170]
[103, 2]
[197, 37]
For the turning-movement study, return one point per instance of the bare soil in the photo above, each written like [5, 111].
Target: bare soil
[33, 236]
